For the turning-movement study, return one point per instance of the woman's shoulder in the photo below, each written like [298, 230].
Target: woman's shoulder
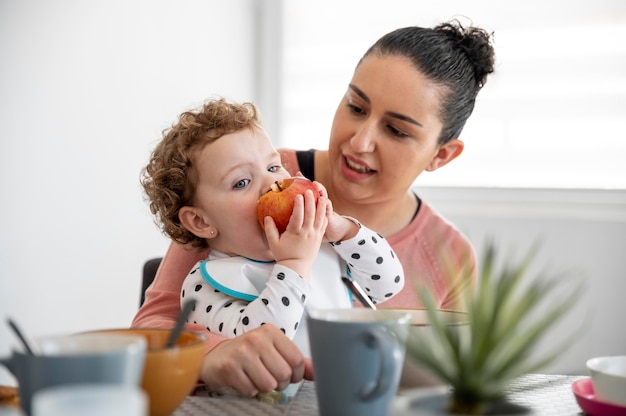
[289, 158]
[429, 224]
[299, 161]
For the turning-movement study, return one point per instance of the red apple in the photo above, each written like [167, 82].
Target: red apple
[279, 200]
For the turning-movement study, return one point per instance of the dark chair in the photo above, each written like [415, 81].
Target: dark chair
[150, 268]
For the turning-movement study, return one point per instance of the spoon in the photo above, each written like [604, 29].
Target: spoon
[357, 291]
[188, 306]
[19, 334]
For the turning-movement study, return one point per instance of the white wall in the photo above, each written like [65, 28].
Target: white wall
[581, 232]
[86, 89]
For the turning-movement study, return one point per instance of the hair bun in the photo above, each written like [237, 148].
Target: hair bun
[476, 45]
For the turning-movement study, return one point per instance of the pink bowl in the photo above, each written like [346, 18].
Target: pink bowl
[588, 402]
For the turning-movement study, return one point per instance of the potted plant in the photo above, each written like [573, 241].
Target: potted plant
[507, 315]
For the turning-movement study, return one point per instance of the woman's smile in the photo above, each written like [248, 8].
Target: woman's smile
[356, 169]
[357, 165]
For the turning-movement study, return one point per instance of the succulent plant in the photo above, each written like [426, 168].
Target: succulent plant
[507, 316]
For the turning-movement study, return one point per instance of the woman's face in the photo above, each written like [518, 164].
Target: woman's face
[385, 131]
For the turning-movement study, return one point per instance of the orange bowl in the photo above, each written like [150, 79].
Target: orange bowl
[169, 375]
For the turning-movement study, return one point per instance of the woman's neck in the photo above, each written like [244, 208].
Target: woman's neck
[386, 218]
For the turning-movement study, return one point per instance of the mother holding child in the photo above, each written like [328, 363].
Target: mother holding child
[403, 112]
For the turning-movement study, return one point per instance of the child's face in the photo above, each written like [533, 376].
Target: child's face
[233, 172]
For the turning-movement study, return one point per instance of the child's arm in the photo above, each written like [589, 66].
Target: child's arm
[372, 262]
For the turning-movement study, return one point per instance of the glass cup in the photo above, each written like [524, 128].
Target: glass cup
[94, 399]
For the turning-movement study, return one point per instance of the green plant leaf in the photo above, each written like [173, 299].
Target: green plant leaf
[508, 315]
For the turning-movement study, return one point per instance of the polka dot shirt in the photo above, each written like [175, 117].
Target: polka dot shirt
[235, 295]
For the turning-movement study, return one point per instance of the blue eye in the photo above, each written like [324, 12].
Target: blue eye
[274, 168]
[242, 184]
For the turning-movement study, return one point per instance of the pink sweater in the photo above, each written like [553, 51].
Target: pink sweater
[432, 251]
[423, 248]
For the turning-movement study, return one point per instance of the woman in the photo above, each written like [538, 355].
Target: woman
[402, 114]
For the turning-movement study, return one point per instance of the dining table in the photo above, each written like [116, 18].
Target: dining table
[532, 394]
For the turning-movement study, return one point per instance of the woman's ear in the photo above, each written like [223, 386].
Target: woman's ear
[193, 221]
[446, 153]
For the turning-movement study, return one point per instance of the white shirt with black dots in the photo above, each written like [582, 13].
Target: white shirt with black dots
[235, 294]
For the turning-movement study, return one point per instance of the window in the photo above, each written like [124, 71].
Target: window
[552, 116]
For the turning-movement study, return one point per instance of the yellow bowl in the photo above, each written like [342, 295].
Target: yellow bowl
[169, 375]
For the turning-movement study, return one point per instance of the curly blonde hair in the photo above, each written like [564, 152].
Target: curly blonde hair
[169, 179]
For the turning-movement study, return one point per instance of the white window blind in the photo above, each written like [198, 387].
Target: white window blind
[553, 115]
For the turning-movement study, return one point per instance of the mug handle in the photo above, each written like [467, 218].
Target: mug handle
[388, 349]
[8, 364]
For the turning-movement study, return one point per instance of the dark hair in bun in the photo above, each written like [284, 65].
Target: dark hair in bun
[455, 57]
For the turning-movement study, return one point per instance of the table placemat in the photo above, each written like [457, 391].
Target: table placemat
[544, 395]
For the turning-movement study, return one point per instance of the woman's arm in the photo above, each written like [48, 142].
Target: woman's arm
[256, 362]
[162, 303]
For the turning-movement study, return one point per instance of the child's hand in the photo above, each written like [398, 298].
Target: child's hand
[339, 228]
[299, 245]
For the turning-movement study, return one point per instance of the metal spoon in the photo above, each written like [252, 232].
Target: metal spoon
[19, 334]
[180, 322]
[356, 289]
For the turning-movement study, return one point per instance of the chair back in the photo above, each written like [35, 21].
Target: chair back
[150, 268]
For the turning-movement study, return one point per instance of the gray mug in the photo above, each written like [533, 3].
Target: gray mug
[80, 358]
[357, 359]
